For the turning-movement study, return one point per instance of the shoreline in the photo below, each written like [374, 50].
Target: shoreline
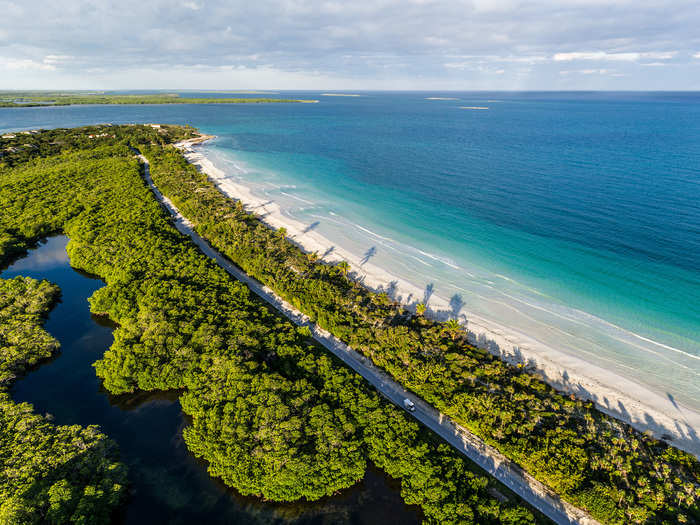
[613, 394]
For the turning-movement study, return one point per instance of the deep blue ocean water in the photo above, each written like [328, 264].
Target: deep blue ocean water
[572, 219]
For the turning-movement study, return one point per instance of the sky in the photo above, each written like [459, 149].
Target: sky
[341, 45]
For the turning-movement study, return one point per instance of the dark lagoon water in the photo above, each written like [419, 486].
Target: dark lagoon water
[563, 221]
[167, 484]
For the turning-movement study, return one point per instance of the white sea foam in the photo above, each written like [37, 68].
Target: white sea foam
[296, 197]
[421, 261]
[371, 232]
[443, 260]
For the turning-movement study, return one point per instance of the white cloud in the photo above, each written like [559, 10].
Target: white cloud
[192, 5]
[587, 72]
[524, 59]
[458, 65]
[487, 6]
[473, 61]
[24, 64]
[598, 55]
[604, 55]
[57, 59]
[697, 55]
[667, 55]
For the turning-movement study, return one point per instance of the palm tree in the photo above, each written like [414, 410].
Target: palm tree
[420, 309]
[453, 328]
[343, 266]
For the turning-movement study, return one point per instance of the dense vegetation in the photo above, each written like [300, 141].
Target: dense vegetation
[48, 473]
[592, 460]
[274, 415]
[11, 99]
[23, 343]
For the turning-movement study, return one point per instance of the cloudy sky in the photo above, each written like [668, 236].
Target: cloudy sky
[379, 44]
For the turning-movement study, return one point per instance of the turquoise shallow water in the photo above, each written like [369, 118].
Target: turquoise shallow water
[571, 218]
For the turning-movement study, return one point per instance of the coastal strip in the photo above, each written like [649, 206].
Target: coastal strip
[487, 457]
[23, 100]
[614, 395]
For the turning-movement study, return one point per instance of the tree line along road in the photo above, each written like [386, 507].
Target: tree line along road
[487, 457]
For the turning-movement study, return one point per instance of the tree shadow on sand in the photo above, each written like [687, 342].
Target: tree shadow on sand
[368, 255]
[311, 227]
[428, 293]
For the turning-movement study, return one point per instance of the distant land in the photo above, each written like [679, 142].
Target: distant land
[238, 92]
[12, 99]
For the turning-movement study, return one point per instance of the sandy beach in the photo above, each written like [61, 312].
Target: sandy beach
[613, 394]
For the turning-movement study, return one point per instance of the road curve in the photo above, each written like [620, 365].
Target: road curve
[487, 457]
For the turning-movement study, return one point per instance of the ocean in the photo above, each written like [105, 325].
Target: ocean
[571, 220]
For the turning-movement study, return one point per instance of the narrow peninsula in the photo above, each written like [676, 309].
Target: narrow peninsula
[15, 99]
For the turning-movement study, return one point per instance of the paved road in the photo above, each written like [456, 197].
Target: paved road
[473, 447]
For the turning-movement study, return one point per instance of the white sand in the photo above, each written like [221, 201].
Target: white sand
[613, 394]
